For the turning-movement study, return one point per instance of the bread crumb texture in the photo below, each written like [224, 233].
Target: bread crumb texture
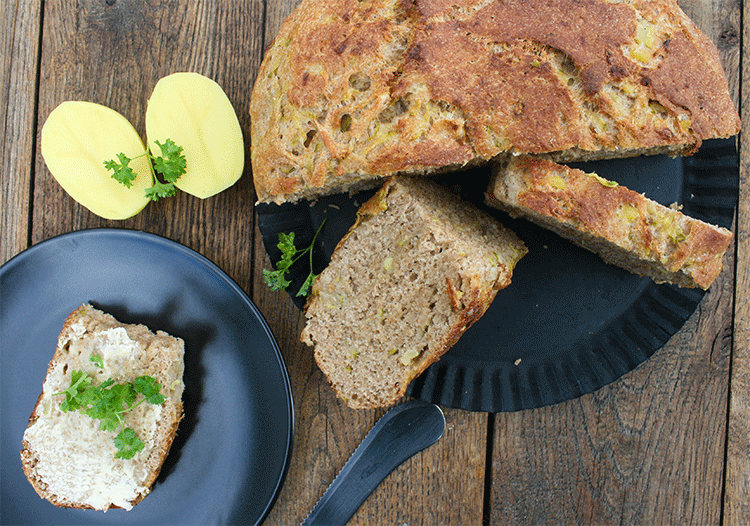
[350, 92]
[66, 457]
[622, 226]
[415, 271]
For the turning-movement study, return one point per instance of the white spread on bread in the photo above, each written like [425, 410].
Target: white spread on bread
[68, 458]
[64, 440]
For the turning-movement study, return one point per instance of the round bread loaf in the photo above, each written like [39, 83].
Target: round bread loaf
[351, 91]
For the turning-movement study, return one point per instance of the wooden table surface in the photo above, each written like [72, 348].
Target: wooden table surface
[666, 444]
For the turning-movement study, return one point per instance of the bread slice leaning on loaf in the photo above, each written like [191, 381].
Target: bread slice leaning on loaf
[68, 459]
[622, 226]
[418, 268]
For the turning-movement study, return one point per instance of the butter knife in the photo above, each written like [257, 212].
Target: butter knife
[401, 433]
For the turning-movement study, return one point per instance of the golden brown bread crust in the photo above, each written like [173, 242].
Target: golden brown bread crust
[164, 435]
[352, 91]
[623, 226]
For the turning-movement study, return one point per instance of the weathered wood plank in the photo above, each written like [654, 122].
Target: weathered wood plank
[428, 489]
[442, 485]
[113, 53]
[19, 49]
[737, 485]
[635, 452]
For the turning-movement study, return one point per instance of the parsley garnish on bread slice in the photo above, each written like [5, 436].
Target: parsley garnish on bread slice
[108, 413]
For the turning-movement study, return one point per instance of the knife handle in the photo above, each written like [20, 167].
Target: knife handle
[402, 432]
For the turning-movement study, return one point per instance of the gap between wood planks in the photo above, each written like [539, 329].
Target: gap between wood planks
[487, 503]
[34, 125]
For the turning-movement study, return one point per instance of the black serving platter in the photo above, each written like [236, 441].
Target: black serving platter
[569, 323]
[232, 449]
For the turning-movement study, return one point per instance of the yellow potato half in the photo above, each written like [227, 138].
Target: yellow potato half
[77, 138]
[195, 113]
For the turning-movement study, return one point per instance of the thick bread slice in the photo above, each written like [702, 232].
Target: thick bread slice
[65, 456]
[622, 226]
[353, 91]
[418, 268]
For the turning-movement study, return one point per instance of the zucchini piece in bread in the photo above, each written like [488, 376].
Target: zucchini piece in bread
[68, 459]
[622, 226]
[417, 269]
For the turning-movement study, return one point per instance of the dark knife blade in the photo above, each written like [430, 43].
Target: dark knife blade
[402, 432]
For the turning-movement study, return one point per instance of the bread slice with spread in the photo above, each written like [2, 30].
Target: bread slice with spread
[66, 455]
[417, 269]
[624, 227]
[350, 92]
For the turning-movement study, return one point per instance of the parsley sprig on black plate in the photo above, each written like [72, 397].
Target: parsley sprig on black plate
[276, 279]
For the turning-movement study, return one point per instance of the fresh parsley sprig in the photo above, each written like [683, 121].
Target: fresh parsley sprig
[122, 172]
[95, 358]
[276, 279]
[108, 402]
[171, 164]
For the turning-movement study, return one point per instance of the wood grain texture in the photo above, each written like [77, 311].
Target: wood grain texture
[276, 13]
[113, 53]
[427, 489]
[19, 45]
[737, 485]
[721, 21]
[441, 485]
[634, 452]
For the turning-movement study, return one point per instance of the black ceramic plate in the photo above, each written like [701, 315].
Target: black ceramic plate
[232, 449]
[569, 323]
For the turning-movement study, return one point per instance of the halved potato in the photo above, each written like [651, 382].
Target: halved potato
[77, 138]
[196, 114]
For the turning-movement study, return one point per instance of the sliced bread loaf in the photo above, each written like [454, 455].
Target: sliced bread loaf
[622, 226]
[350, 92]
[418, 268]
[68, 459]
